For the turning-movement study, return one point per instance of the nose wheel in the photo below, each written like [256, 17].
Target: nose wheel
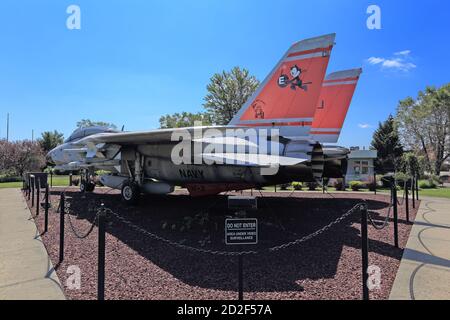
[86, 186]
[130, 192]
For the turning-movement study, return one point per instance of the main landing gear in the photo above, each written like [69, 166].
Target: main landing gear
[131, 188]
[86, 184]
[130, 192]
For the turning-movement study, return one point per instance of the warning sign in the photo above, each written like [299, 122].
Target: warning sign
[241, 231]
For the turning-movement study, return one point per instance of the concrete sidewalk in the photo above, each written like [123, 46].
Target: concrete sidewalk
[424, 272]
[26, 271]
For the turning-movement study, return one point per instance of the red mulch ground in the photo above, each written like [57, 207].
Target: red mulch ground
[138, 267]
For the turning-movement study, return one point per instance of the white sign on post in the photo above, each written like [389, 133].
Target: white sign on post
[241, 231]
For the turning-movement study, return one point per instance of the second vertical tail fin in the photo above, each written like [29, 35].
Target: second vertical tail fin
[334, 101]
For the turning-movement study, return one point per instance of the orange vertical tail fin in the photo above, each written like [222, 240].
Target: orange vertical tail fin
[287, 98]
[334, 101]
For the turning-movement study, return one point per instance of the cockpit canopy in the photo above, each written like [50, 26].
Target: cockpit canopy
[84, 132]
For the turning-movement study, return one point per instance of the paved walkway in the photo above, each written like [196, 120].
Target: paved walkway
[424, 272]
[26, 271]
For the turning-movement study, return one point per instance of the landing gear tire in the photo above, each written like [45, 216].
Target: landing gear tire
[87, 186]
[130, 193]
[90, 187]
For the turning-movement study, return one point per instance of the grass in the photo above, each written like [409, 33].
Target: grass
[439, 193]
[436, 193]
[58, 181]
[10, 185]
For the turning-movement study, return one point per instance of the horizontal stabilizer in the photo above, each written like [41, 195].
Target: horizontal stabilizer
[252, 160]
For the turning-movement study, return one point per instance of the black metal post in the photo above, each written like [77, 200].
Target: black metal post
[46, 209]
[61, 227]
[70, 180]
[323, 186]
[407, 202]
[413, 183]
[241, 278]
[394, 189]
[38, 196]
[275, 188]
[29, 187]
[364, 251]
[51, 178]
[375, 182]
[417, 187]
[101, 256]
[32, 193]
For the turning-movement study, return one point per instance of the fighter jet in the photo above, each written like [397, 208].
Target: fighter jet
[273, 139]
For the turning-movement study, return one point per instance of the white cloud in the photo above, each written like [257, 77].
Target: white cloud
[375, 60]
[403, 53]
[400, 62]
[364, 126]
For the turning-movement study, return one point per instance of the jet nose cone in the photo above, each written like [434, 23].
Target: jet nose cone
[49, 159]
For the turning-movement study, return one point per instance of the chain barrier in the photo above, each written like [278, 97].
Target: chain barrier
[320, 231]
[156, 237]
[383, 224]
[71, 224]
[234, 253]
[372, 221]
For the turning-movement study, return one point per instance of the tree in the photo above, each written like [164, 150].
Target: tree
[425, 125]
[50, 140]
[412, 165]
[386, 141]
[183, 120]
[227, 92]
[21, 156]
[86, 123]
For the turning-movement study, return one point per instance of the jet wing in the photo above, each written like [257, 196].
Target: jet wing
[90, 144]
[146, 137]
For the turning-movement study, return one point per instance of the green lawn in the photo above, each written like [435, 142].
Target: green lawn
[437, 193]
[58, 181]
[11, 185]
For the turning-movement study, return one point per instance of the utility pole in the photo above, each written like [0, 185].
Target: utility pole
[7, 127]
[32, 135]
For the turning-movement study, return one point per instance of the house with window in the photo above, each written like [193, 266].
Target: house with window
[360, 165]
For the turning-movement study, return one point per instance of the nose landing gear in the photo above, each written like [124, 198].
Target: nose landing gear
[87, 183]
[87, 186]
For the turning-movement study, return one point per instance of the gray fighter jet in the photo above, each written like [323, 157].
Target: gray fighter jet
[273, 139]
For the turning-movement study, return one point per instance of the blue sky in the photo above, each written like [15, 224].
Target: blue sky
[133, 61]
